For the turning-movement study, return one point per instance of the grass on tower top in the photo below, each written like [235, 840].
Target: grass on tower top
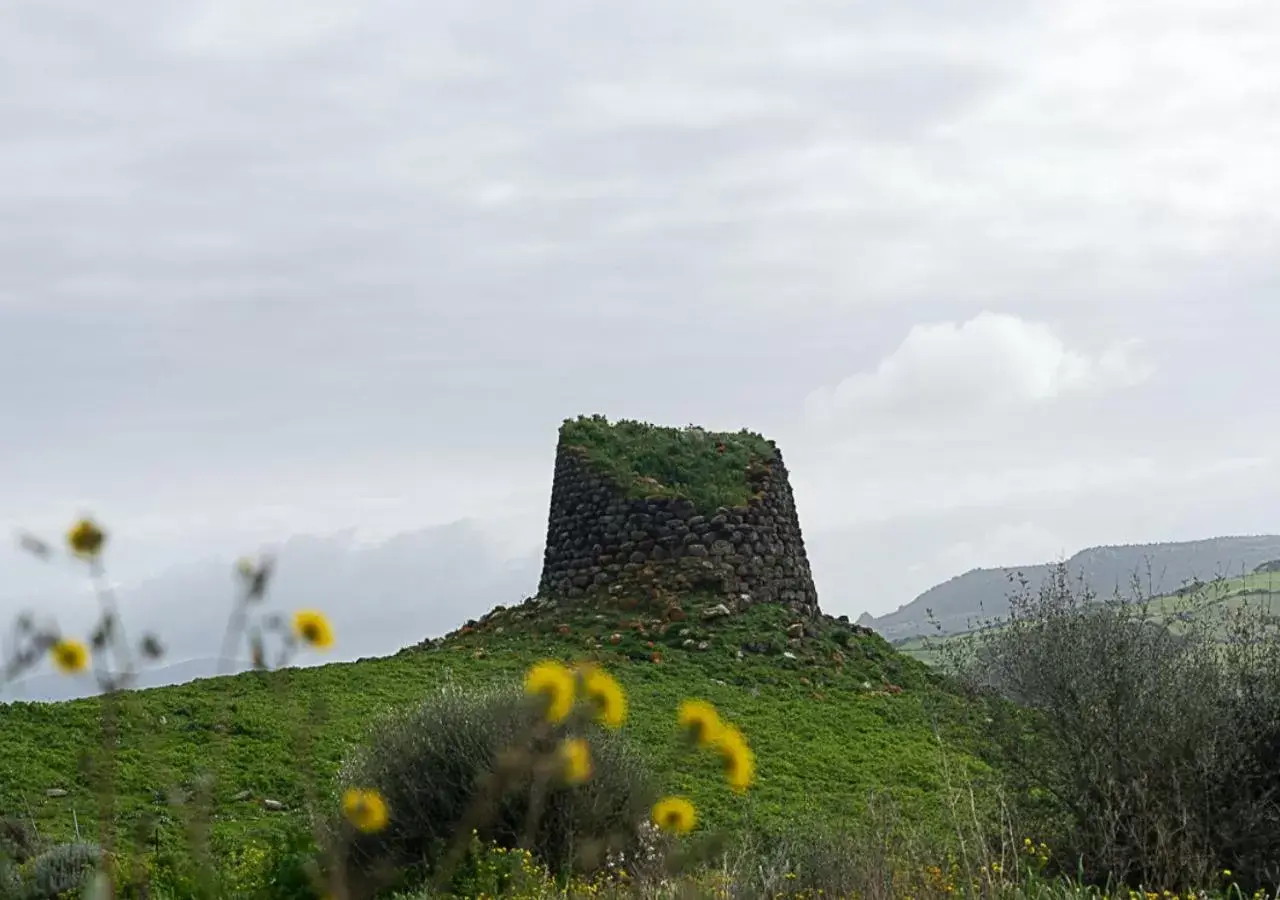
[707, 468]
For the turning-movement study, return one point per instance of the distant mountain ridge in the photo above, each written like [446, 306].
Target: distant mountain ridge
[958, 603]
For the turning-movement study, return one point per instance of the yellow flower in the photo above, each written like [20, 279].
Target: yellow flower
[700, 719]
[739, 761]
[554, 682]
[313, 628]
[675, 815]
[365, 809]
[86, 539]
[70, 656]
[607, 695]
[577, 760]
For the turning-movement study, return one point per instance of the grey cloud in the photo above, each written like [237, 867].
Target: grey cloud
[264, 268]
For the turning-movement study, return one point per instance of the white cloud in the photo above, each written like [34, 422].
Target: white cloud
[991, 361]
[283, 270]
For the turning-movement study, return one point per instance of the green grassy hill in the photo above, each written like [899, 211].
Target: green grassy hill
[833, 714]
[1212, 605]
[822, 711]
[960, 602]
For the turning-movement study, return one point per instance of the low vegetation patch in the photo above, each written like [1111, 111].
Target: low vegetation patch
[707, 468]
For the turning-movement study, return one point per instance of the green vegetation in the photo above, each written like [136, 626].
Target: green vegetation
[1144, 752]
[956, 604]
[1216, 605]
[799, 714]
[1074, 746]
[707, 468]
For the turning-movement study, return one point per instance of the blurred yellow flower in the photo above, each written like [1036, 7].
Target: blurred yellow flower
[552, 681]
[86, 539]
[70, 656]
[739, 761]
[313, 628]
[577, 760]
[675, 815]
[607, 695]
[365, 809]
[700, 719]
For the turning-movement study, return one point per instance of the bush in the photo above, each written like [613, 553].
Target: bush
[285, 872]
[61, 869]
[1149, 755]
[459, 754]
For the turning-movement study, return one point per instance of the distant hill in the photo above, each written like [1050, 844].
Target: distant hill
[983, 593]
[54, 687]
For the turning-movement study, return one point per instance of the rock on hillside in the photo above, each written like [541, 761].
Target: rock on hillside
[957, 604]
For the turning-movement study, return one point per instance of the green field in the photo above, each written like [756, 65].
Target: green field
[823, 732]
[1212, 605]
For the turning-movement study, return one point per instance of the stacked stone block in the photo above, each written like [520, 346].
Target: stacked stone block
[600, 541]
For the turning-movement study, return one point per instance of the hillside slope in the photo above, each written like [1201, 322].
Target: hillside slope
[1212, 606]
[832, 712]
[960, 602]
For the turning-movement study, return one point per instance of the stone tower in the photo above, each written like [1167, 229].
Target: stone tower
[637, 508]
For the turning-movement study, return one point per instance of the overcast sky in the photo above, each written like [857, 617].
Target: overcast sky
[1000, 277]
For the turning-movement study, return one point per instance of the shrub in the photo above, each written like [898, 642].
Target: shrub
[17, 843]
[1148, 754]
[61, 869]
[461, 762]
[285, 869]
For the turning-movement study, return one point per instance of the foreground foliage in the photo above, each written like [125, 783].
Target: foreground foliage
[719, 755]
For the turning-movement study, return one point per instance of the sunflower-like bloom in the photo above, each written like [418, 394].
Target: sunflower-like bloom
[313, 628]
[739, 761]
[577, 760]
[701, 721]
[606, 695]
[553, 681]
[365, 809]
[86, 539]
[70, 656]
[675, 815]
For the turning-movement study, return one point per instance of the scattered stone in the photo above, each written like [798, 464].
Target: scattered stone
[242, 796]
[703, 645]
[615, 638]
[689, 642]
[719, 611]
[55, 792]
[273, 806]
[796, 630]
[788, 654]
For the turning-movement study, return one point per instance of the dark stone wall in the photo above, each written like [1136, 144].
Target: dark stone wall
[599, 542]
